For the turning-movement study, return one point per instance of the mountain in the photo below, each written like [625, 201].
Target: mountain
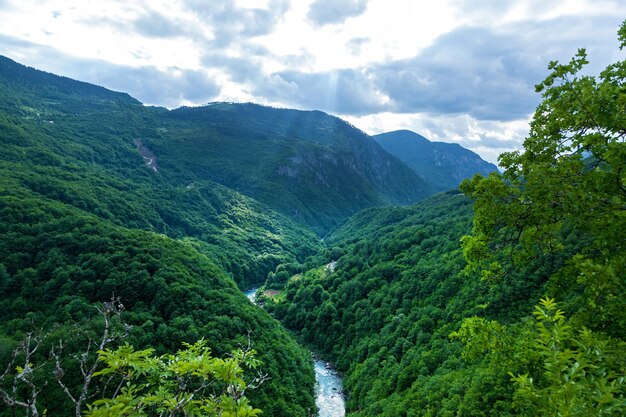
[313, 167]
[51, 93]
[442, 165]
[80, 144]
[83, 218]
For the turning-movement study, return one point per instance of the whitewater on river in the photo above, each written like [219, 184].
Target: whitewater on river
[328, 388]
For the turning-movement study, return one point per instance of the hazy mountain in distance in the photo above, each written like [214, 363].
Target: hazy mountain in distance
[442, 165]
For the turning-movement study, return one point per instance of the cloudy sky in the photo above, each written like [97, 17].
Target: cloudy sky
[453, 70]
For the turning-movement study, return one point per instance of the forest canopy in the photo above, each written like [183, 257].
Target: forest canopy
[524, 317]
[565, 195]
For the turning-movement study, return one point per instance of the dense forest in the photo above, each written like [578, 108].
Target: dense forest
[59, 262]
[84, 219]
[422, 325]
[385, 313]
[140, 227]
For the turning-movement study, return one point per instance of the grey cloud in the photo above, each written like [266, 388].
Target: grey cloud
[355, 45]
[149, 23]
[325, 12]
[467, 71]
[153, 86]
[246, 68]
[460, 129]
[493, 142]
[241, 70]
[230, 23]
[486, 73]
[470, 70]
[482, 10]
[154, 24]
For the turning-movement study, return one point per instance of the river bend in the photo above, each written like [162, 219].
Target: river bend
[328, 388]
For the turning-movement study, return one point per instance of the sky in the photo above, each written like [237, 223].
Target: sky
[452, 70]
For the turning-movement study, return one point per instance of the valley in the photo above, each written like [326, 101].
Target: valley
[430, 290]
[328, 387]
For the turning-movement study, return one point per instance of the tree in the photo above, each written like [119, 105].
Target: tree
[129, 382]
[581, 372]
[191, 382]
[566, 195]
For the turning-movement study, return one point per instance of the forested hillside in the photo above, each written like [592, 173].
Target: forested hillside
[384, 315]
[313, 167]
[59, 262]
[429, 309]
[67, 143]
[443, 165]
[83, 218]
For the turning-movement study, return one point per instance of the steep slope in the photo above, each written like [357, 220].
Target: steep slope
[40, 94]
[311, 166]
[80, 144]
[58, 262]
[442, 165]
[384, 311]
[83, 218]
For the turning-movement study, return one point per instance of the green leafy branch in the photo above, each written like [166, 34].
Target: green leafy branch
[191, 382]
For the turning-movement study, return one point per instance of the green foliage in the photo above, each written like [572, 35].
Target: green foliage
[129, 382]
[481, 336]
[190, 382]
[564, 196]
[584, 373]
[383, 315]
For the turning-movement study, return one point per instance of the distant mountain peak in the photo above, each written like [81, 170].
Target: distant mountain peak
[404, 134]
[443, 165]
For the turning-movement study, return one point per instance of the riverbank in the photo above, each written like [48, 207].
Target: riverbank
[328, 386]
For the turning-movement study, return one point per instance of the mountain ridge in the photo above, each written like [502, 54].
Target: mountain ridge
[316, 168]
[311, 166]
[307, 164]
[443, 165]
